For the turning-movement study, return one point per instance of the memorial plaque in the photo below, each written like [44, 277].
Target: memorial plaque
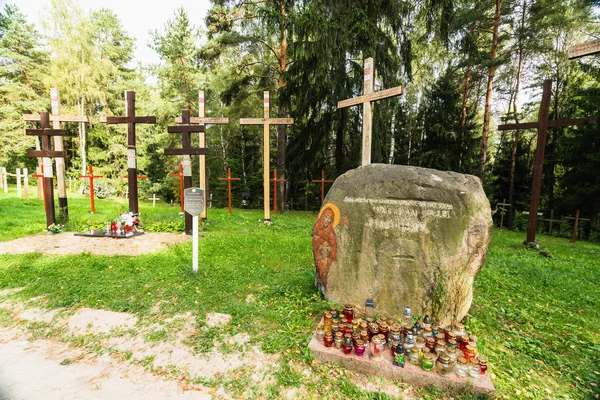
[193, 202]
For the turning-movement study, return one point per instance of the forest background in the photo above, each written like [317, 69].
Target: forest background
[466, 66]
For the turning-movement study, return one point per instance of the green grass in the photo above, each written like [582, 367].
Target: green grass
[536, 318]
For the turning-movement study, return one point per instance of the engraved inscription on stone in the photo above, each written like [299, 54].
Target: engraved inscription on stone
[193, 200]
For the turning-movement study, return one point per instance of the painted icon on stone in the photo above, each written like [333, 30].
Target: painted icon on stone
[324, 243]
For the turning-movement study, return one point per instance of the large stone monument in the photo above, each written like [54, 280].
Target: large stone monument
[403, 236]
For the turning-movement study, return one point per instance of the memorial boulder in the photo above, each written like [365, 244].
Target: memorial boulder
[403, 236]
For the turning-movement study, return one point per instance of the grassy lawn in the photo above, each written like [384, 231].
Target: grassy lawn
[536, 318]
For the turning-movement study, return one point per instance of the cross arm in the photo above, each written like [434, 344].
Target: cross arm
[263, 121]
[185, 128]
[205, 120]
[229, 179]
[551, 124]
[192, 152]
[383, 94]
[45, 132]
[124, 120]
[46, 153]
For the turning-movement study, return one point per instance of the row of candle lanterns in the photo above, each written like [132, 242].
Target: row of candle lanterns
[449, 349]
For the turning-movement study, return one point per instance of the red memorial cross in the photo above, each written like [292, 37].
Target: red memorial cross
[229, 179]
[91, 177]
[322, 180]
[275, 180]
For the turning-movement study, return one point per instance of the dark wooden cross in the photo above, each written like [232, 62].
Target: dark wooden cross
[131, 120]
[203, 121]
[368, 97]
[322, 181]
[46, 152]
[91, 177]
[575, 228]
[275, 180]
[503, 211]
[266, 122]
[186, 150]
[229, 179]
[180, 175]
[542, 125]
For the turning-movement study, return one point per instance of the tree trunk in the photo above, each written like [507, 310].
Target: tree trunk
[282, 111]
[513, 161]
[489, 90]
[463, 119]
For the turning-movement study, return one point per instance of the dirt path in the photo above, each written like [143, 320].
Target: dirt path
[68, 243]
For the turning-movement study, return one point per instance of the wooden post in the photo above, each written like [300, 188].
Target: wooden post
[229, 179]
[18, 176]
[322, 181]
[131, 120]
[46, 153]
[203, 121]
[26, 182]
[186, 151]
[180, 175]
[266, 122]
[4, 180]
[542, 125]
[91, 177]
[275, 180]
[366, 99]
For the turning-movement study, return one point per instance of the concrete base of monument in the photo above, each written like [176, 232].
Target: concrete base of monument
[410, 374]
[110, 234]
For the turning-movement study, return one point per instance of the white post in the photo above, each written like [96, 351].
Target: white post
[18, 182]
[4, 181]
[26, 182]
[195, 243]
[1, 179]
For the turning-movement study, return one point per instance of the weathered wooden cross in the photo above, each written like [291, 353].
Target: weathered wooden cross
[229, 179]
[542, 125]
[368, 97]
[154, 198]
[56, 118]
[22, 175]
[46, 152]
[576, 227]
[322, 181]
[91, 177]
[186, 151]
[503, 210]
[131, 120]
[180, 175]
[275, 180]
[266, 122]
[584, 49]
[203, 121]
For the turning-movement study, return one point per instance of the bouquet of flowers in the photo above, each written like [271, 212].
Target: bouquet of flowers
[55, 228]
[129, 221]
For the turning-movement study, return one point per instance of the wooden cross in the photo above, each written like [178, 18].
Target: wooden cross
[229, 179]
[45, 132]
[24, 176]
[180, 175]
[368, 97]
[186, 151]
[577, 219]
[542, 125]
[91, 177]
[3, 180]
[266, 122]
[56, 119]
[203, 121]
[503, 211]
[322, 184]
[584, 49]
[131, 120]
[275, 180]
[154, 198]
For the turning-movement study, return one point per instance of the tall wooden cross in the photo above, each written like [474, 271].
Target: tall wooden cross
[46, 152]
[180, 175]
[203, 121]
[229, 179]
[186, 150]
[275, 180]
[322, 181]
[131, 120]
[503, 210]
[542, 125]
[368, 97]
[56, 118]
[576, 227]
[91, 177]
[266, 122]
